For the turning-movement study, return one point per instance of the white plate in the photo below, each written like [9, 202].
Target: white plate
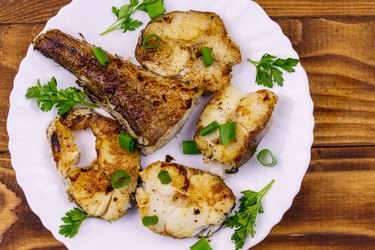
[290, 137]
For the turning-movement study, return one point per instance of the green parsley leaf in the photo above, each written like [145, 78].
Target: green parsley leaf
[268, 71]
[124, 21]
[244, 219]
[72, 221]
[65, 99]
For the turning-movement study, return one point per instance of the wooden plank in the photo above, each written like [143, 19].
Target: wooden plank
[29, 11]
[341, 69]
[33, 11]
[335, 208]
[318, 8]
[341, 76]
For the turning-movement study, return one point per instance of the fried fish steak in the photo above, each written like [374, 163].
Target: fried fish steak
[252, 114]
[194, 203]
[183, 35]
[152, 108]
[90, 187]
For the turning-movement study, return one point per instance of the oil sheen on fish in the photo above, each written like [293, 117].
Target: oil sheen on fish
[151, 108]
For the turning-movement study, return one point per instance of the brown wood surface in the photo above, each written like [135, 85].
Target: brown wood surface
[336, 42]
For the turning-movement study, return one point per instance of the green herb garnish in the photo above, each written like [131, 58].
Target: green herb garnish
[190, 148]
[227, 133]
[124, 22]
[266, 158]
[151, 41]
[244, 219]
[101, 56]
[150, 220]
[119, 179]
[201, 244]
[164, 177]
[127, 142]
[209, 128]
[65, 99]
[268, 71]
[72, 221]
[207, 57]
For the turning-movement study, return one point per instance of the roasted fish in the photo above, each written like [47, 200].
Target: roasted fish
[151, 108]
[194, 203]
[252, 114]
[91, 187]
[183, 35]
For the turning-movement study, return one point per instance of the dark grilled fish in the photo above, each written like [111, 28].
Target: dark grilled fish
[152, 108]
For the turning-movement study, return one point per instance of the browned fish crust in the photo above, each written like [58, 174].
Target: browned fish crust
[146, 104]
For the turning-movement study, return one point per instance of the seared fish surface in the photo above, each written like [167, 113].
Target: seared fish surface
[152, 108]
[91, 187]
[194, 203]
[252, 114]
[183, 35]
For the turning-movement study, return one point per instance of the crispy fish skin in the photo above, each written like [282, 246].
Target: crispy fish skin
[195, 203]
[152, 108]
[183, 35]
[90, 187]
[252, 114]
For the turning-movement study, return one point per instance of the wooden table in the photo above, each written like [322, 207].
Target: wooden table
[335, 208]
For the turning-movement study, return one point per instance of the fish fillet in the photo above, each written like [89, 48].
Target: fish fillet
[252, 114]
[194, 203]
[151, 108]
[90, 187]
[183, 35]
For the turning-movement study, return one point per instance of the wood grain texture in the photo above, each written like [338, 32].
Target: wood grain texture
[336, 206]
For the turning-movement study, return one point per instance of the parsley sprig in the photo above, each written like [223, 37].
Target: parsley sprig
[244, 219]
[47, 96]
[268, 71]
[124, 21]
[72, 221]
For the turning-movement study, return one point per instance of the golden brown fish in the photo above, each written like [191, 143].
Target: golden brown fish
[152, 108]
[183, 35]
[91, 187]
[194, 203]
[252, 114]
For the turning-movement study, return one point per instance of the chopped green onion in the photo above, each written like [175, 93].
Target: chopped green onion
[155, 9]
[227, 133]
[127, 142]
[120, 179]
[209, 128]
[150, 220]
[201, 244]
[101, 56]
[190, 148]
[207, 57]
[148, 39]
[164, 177]
[266, 158]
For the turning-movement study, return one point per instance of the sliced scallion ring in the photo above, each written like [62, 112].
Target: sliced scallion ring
[155, 9]
[119, 179]
[227, 133]
[190, 148]
[150, 220]
[209, 128]
[150, 43]
[207, 57]
[266, 158]
[164, 177]
[201, 244]
[101, 56]
[127, 142]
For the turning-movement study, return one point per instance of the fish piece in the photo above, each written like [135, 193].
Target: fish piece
[194, 203]
[183, 35]
[152, 108]
[91, 187]
[252, 114]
